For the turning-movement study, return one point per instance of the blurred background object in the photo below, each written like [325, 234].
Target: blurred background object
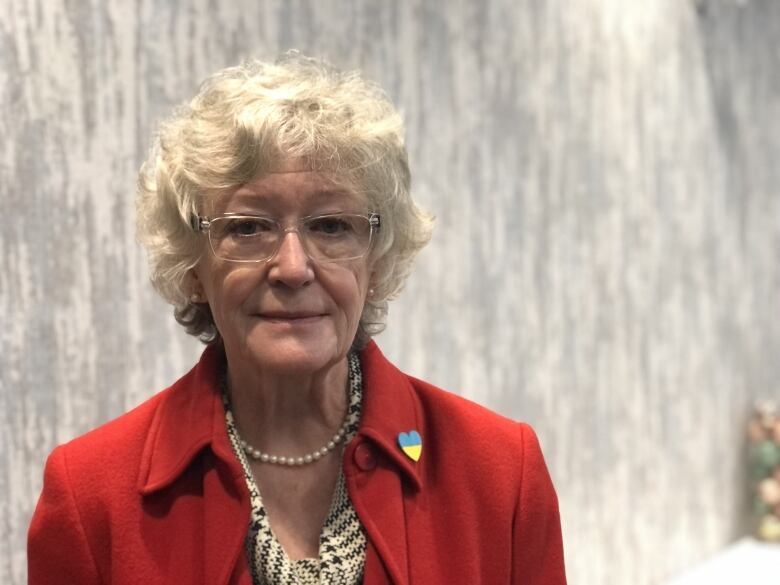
[764, 435]
[606, 264]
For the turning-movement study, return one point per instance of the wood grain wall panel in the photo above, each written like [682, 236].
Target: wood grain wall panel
[605, 264]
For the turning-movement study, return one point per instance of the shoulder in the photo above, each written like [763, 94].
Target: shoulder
[86, 481]
[475, 433]
[484, 459]
[478, 461]
[119, 446]
[463, 414]
[126, 429]
[452, 427]
[113, 453]
[109, 454]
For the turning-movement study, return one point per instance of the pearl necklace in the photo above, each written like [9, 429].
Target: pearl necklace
[351, 417]
[258, 455]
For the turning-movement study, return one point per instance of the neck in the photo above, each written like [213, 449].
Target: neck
[287, 413]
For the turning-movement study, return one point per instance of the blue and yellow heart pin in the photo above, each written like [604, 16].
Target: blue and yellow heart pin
[411, 444]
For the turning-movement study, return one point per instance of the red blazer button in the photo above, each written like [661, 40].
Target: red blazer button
[364, 457]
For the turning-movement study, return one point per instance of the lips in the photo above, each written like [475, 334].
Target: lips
[290, 315]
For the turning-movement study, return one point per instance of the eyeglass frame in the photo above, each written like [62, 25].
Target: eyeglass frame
[201, 224]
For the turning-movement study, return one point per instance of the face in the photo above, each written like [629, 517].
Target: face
[289, 313]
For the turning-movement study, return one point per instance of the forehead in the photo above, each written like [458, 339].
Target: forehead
[291, 189]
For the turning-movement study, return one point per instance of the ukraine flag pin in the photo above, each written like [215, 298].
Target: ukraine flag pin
[411, 444]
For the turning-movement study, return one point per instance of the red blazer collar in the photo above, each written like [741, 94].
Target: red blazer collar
[191, 417]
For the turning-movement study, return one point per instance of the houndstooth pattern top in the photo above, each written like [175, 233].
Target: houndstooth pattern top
[342, 541]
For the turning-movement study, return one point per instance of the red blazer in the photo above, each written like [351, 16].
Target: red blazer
[157, 495]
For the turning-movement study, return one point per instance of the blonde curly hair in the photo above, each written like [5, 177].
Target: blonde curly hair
[245, 121]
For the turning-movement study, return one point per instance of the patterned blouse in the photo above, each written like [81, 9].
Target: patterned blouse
[342, 541]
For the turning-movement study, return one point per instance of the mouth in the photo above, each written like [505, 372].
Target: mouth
[291, 316]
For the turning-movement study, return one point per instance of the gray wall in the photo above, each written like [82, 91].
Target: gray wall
[605, 265]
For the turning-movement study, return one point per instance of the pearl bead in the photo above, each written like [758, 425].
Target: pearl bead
[282, 460]
[264, 457]
[274, 459]
[307, 459]
[331, 445]
[299, 461]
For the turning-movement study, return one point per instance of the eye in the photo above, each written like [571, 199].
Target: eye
[330, 225]
[248, 226]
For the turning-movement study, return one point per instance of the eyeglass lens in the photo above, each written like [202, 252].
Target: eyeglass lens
[326, 237]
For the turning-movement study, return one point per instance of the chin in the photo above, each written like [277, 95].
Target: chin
[294, 356]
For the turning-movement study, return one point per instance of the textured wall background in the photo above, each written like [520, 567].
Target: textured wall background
[605, 267]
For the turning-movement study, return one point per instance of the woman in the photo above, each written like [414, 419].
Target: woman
[276, 211]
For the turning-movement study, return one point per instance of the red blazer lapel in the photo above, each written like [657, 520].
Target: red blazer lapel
[191, 481]
[381, 480]
[378, 500]
[226, 514]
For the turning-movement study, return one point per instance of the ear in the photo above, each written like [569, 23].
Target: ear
[194, 287]
[371, 284]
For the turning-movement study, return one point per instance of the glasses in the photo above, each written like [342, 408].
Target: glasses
[332, 237]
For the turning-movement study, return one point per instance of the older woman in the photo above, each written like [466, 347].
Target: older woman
[276, 211]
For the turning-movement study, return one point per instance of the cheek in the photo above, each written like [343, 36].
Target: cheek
[357, 297]
[347, 290]
[230, 289]
[239, 286]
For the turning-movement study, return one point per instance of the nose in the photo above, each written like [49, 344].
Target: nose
[291, 265]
